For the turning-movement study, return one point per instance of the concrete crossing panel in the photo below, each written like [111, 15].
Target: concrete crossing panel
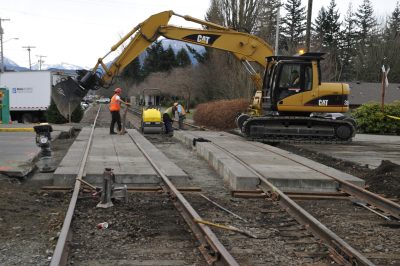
[287, 171]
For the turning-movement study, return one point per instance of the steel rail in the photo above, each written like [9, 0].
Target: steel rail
[373, 199]
[60, 255]
[210, 247]
[341, 252]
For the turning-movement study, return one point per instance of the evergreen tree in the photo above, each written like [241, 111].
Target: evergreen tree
[319, 28]
[293, 25]
[366, 32]
[393, 25]
[214, 13]
[266, 26]
[392, 44]
[152, 62]
[168, 60]
[200, 57]
[330, 39]
[182, 58]
[332, 33]
[348, 44]
[366, 22]
[133, 71]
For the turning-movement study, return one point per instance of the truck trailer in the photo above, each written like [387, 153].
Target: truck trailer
[30, 93]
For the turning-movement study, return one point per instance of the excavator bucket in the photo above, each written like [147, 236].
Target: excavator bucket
[67, 95]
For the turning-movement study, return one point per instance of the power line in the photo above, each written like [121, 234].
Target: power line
[28, 47]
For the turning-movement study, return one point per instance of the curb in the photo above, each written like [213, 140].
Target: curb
[29, 129]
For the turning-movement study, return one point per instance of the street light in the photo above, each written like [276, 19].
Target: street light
[2, 53]
[11, 39]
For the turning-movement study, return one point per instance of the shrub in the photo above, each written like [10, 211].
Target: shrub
[370, 118]
[54, 116]
[220, 114]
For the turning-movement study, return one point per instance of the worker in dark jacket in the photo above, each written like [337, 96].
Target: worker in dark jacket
[168, 119]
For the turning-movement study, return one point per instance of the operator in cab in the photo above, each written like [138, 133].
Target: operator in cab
[115, 107]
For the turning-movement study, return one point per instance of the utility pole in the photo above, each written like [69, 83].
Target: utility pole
[308, 27]
[277, 28]
[40, 61]
[29, 53]
[1, 43]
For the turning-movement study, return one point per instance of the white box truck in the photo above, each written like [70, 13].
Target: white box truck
[30, 93]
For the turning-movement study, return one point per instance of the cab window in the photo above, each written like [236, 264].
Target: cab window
[290, 76]
[307, 77]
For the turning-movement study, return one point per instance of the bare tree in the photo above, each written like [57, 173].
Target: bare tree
[241, 15]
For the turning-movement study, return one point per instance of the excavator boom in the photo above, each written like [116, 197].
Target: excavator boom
[245, 47]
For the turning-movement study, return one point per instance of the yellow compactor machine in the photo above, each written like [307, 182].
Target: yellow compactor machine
[290, 101]
[151, 121]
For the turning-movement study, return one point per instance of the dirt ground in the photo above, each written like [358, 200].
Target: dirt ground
[30, 218]
[384, 180]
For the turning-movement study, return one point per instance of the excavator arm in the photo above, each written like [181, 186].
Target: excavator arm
[245, 47]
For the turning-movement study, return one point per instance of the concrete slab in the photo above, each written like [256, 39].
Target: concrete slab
[18, 150]
[68, 168]
[170, 169]
[365, 149]
[285, 170]
[120, 153]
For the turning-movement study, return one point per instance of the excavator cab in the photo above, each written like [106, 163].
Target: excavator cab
[294, 86]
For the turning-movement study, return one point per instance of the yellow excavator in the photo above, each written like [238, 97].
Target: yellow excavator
[290, 103]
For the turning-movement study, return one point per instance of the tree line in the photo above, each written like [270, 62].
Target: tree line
[356, 44]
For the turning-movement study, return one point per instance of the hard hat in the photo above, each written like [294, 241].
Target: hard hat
[175, 104]
[118, 90]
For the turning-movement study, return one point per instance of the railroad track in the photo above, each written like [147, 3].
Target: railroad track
[376, 214]
[285, 232]
[368, 209]
[213, 251]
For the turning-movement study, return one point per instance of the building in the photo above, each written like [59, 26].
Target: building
[363, 92]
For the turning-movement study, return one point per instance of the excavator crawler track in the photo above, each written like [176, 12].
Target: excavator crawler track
[298, 130]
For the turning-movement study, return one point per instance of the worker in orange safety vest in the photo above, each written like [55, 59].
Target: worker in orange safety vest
[115, 107]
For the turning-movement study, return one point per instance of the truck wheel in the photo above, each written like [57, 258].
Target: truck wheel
[27, 118]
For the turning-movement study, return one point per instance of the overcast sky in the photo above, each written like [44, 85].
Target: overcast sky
[80, 31]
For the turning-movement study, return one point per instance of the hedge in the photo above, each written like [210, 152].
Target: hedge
[220, 115]
[371, 119]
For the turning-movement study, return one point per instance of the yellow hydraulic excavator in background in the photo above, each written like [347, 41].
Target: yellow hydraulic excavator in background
[290, 102]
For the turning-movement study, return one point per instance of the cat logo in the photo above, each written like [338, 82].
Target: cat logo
[323, 102]
[203, 39]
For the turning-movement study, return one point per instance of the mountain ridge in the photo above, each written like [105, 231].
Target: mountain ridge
[10, 65]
